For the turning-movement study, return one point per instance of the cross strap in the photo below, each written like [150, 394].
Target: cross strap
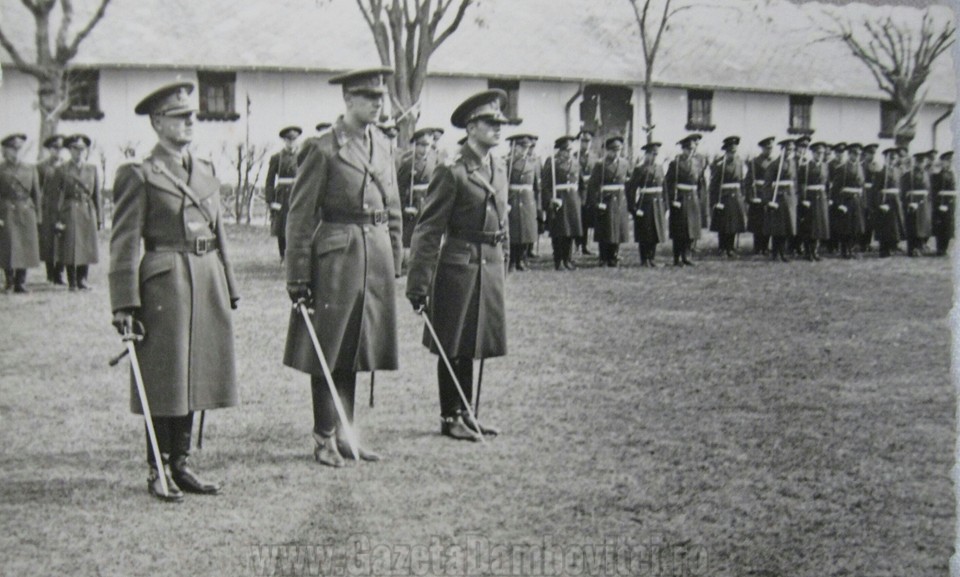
[186, 190]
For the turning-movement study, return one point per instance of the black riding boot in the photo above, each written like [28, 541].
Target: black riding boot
[162, 427]
[185, 477]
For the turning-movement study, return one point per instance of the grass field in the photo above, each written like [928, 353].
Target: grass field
[735, 419]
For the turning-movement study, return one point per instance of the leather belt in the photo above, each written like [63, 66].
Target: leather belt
[286, 180]
[816, 187]
[375, 218]
[569, 186]
[420, 187]
[947, 193]
[890, 191]
[782, 183]
[730, 186]
[917, 193]
[850, 190]
[686, 187]
[481, 236]
[612, 187]
[521, 187]
[651, 190]
[199, 246]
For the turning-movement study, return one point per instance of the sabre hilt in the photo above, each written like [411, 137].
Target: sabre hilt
[135, 333]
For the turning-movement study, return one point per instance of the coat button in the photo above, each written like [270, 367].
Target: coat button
[484, 261]
[366, 206]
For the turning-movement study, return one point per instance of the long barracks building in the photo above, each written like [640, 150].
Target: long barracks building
[752, 68]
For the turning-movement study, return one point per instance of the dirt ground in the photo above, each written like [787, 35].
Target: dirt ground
[735, 419]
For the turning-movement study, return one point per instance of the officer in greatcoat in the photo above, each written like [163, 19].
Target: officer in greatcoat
[915, 195]
[682, 182]
[458, 260]
[847, 190]
[587, 159]
[888, 214]
[606, 195]
[281, 172]
[413, 175]
[871, 173]
[343, 253]
[646, 202]
[781, 215]
[561, 201]
[79, 211]
[726, 197]
[19, 214]
[49, 203]
[813, 210]
[834, 166]
[754, 188]
[524, 196]
[795, 244]
[944, 190]
[180, 289]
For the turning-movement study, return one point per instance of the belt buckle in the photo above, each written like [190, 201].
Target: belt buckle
[379, 217]
[201, 246]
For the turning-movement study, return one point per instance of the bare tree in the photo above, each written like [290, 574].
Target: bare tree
[407, 33]
[900, 59]
[50, 66]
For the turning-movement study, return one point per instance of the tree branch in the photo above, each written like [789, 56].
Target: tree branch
[461, 10]
[18, 61]
[72, 50]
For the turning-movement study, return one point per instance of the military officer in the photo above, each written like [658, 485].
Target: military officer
[847, 194]
[834, 165]
[682, 182]
[460, 282]
[781, 216]
[180, 291]
[343, 253]
[944, 202]
[726, 197]
[914, 193]
[795, 244]
[281, 172]
[606, 194]
[871, 173]
[436, 134]
[79, 211]
[888, 216]
[49, 203]
[646, 202]
[19, 214]
[587, 160]
[414, 175]
[561, 201]
[755, 186]
[813, 211]
[524, 195]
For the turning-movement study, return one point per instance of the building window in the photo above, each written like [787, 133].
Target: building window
[889, 116]
[83, 91]
[512, 88]
[700, 110]
[217, 91]
[800, 114]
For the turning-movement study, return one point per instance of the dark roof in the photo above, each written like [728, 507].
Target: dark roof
[764, 45]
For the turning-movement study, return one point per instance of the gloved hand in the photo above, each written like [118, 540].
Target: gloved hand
[123, 321]
[275, 206]
[233, 303]
[419, 302]
[300, 293]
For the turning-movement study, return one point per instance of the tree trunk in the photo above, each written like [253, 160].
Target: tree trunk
[648, 108]
[50, 96]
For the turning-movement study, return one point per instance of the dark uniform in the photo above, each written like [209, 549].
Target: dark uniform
[281, 172]
[524, 196]
[181, 290]
[888, 214]
[754, 188]
[726, 197]
[915, 195]
[944, 203]
[48, 208]
[413, 177]
[646, 201]
[833, 167]
[587, 160]
[871, 173]
[343, 254]
[19, 214]
[457, 259]
[813, 210]
[606, 194]
[79, 212]
[561, 202]
[781, 215]
[847, 194]
[683, 181]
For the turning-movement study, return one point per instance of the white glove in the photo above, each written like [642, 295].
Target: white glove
[639, 214]
[602, 206]
[943, 208]
[884, 208]
[755, 201]
[719, 206]
[556, 202]
[676, 204]
[275, 206]
[806, 203]
[411, 210]
[773, 205]
[913, 206]
[843, 209]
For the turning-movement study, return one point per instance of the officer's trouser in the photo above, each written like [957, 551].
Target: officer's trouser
[451, 404]
[325, 418]
[173, 437]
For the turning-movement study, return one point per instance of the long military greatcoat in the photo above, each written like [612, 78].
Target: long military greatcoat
[343, 240]
[847, 191]
[464, 275]
[726, 188]
[413, 177]
[49, 204]
[564, 220]
[182, 297]
[813, 211]
[606, 193]
[645, 201]
[888, 216]
[20, 213]
[80, 211]
[682, 182]
[944, 203]
[281, 171]
[781, 179]
[587, 161]
[524, 197]
[755, 187]
[915, 195]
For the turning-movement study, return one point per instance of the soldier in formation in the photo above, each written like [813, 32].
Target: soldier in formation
[19, 214]
[561, 201]
[281, 172]
[646, 202]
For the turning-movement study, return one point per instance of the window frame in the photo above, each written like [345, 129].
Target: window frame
[797, 101]
[225, 81]
[90, 79]
[701, 124]
[512, 88]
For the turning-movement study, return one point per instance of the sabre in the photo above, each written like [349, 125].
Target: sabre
[453, 375]
[128, 339]
[347, 428]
